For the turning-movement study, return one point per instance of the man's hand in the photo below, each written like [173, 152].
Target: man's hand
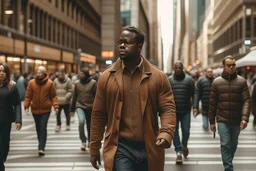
[27, 111]
[195, 112]
[213, 127]
[94, 160]
[18, 126]
[243, 125]
[56, 111]
[71, 113]
[162, 143]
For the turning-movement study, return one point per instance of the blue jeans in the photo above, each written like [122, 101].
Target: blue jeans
[41, 121]
[130, 157]
[84, 115]
[228, 140]
[184, 119]
[205, 122]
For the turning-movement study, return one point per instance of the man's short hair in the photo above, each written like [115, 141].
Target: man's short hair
[227, 57]
[140, 36]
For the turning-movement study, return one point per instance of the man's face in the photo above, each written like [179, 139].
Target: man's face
[127, 46]
[209, 73]
[17, 74]
[2, 73]
[39, 74]
[178, 68]
[61, 76]
[81, 75]
[230, 66]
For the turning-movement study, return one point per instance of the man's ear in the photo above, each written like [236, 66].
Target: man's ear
[140, 46]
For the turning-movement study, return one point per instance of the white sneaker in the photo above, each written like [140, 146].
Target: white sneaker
[72, 119]
[179, 159]
[68, 128]
[83, 146]
[41, 153]
[58, 128]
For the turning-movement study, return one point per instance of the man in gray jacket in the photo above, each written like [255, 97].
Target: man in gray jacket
[84, 93]
[64, 91]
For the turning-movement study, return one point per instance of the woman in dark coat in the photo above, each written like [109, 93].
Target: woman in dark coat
[10, 111]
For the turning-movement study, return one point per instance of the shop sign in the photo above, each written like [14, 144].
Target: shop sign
[37, 49]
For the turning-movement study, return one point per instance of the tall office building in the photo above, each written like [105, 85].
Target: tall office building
[143, 14]
[234, 24]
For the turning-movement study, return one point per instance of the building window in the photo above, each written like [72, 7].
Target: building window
[72, 11]
[41, 24]
[63, 5]
[77, 13]
[63, 35]
[58, 35]
[44, 26]
[49, 28]
[68, 8]
[248, 27]
[57, 3]
[30, 31]
[54, 31]
[68, 41]
[36, 22]
[81, 19]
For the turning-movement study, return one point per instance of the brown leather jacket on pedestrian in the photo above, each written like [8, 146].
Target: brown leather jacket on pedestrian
[254, 101]
[229, 100]
[41, 96]
[155, 96]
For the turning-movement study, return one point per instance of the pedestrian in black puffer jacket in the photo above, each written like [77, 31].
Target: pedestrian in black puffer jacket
[183, 89]
[202, 92]
[10, 111]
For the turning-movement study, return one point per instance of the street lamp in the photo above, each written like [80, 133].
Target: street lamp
[8, 12]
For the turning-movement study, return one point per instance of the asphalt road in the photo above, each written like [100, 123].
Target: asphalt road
[63, 150]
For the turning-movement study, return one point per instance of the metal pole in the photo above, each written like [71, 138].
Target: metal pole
[78, 60]
[25, 4]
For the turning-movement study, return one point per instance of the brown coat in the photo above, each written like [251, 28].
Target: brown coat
[254, 101]
[229, 100]
[41, 96]
[156, 96]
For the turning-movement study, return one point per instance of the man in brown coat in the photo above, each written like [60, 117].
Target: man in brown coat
[230, 105]
[131, 94]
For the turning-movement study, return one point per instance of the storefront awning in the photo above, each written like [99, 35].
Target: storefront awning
[247, 60]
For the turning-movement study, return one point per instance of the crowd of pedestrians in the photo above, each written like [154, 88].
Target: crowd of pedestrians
[124, 104]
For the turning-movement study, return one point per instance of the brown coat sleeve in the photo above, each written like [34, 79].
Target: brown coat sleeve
[99, 118]
[28, 96]
[254, 100]
[246, 103]
[167, 111]
[53, 97]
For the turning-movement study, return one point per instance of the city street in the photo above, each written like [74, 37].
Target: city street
[63, 150]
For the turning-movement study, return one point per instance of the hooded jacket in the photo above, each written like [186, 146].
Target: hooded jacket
[41, 96]
[64, 90]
